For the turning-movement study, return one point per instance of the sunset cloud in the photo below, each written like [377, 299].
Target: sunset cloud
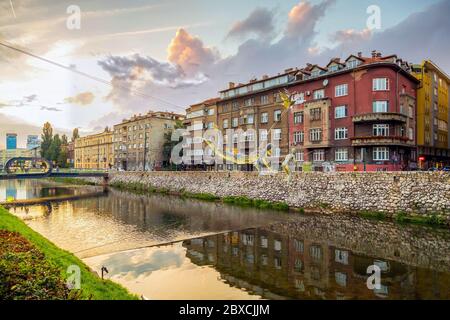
[260, 22]
[190, 53]
[82, 99]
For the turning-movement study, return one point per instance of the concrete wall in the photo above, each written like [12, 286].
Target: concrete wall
[412, 192]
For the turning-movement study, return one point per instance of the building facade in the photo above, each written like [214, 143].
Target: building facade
[199, 117]
[139, 141]
[94, 151]
[433, 116]
[33, 141]
[358, 114]
[256, 105]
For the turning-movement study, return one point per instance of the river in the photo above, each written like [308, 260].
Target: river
[167, 247]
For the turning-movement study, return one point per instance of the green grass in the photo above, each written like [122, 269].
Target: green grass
[73, 181]
[200, 196]
[374, 215]
[91, 285]
[431, 220]
[257, 203]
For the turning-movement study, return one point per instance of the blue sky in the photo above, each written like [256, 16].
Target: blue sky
[183, 51]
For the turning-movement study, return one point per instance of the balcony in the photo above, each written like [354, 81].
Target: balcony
[380, 116]
[381, 141]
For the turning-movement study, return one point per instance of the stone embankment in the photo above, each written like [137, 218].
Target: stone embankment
[408, 193]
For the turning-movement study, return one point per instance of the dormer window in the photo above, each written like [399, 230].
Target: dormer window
[315, 73]
[353, 63]
[333, 68]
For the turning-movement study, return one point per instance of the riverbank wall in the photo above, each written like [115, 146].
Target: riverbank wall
[408, 193]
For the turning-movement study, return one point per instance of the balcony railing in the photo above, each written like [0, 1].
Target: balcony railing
[380, 116]
[381, 141]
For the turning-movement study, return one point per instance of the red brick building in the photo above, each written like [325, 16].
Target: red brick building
[357, 114]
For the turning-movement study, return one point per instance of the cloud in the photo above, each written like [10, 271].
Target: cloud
[189, 53]
[303, 17]
[350, 35]
[260, 22]
[45, 108]
[82, 99]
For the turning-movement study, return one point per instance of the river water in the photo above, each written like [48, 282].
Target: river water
[166, 247]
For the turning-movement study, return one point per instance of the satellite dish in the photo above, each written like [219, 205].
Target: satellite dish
[325, 82]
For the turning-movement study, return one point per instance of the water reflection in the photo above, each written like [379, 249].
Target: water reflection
[11, 190]
[260, 263]
[121, 220]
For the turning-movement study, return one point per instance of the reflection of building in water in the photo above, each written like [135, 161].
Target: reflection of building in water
[279, 267]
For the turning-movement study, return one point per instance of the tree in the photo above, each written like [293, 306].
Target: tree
[47, 138]
[64, 152]
[169, 144]
[55, 148]
[75, 134]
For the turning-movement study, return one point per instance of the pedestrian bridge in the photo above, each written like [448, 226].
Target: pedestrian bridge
[35, 168]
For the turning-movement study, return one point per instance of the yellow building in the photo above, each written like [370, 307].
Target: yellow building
[95, 151]
[433, 115]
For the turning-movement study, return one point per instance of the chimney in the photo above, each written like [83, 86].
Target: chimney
[288, 70]
[374, 53]
[231, 85]
[265, 77]
[360, 54]
[378, 54]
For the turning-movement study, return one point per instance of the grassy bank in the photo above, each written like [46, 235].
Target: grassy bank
[92, 287]
[404, 218]
[73, 181]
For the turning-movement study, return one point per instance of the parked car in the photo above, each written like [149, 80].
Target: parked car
[446, 169]
[433, 169]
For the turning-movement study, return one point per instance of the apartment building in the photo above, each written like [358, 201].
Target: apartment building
[255, 105]
[199, 117]
[358, 114]
[139, 141]
[94, 151]
[433, 116]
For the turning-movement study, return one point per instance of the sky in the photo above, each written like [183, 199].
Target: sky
[141, 55]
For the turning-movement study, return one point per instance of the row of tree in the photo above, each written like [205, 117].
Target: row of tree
[55, 147]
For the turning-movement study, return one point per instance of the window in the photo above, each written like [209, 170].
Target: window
[264, 242]
[276, 97]
[411, 112]
[235, 105]
[380, 154]
[298, 137]
[298, 117]
[210, 125]
[277, 152]
[319, 155]
[341, 90]
[249, 102]
[319, 94]
[263, 135]
[277, 115]
[340, 133]
[341, 256]
[264, 99]
[250, 119]
[235, 122]
[410, 133]
[341, 278]
[315, 135]
[340, 112]
[380, 106]
[380, 84]
[277, 245]
[299, 156]
[381, 130]
[341, 154]
[315, 114]
[210, 112]
[353, 63]
[225, 123]
[264, 117]
[333, 68]
[277, 134]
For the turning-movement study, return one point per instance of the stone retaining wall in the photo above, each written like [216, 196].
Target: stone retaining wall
[411, 192]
